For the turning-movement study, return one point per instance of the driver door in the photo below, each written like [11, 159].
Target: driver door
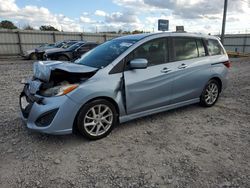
[151, 87]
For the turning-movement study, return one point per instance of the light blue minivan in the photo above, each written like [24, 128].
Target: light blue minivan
[123, 79]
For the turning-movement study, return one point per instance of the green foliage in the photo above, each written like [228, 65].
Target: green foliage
[6, 24]
[136, 32]
[28, 27]
[48, 28]
[126, 32]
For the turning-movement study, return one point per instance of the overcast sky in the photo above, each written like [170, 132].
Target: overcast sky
[111, 15]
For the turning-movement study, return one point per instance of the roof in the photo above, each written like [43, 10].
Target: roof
[135, 36]
[164, 34]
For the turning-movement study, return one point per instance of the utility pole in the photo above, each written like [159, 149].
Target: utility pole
[224, 21]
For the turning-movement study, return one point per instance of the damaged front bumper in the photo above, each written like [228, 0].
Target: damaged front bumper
[51, 115]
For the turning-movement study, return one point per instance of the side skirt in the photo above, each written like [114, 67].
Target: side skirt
[157, 110]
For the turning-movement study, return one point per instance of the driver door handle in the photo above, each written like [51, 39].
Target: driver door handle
[182, 66]
[165, 70]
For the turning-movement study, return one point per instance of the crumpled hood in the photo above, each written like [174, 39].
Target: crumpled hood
[43, 69]
[54, 50]
[42, 49]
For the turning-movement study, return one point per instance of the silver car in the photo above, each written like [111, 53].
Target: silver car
[123, 79]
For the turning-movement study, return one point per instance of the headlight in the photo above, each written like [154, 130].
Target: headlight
[59, 90]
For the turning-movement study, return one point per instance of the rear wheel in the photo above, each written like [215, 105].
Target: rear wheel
[210, 93]
[97, 119]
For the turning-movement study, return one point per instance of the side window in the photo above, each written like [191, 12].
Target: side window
[201, 48]
[85, 47]
[155, 51]
[214, 48]
[185, 48]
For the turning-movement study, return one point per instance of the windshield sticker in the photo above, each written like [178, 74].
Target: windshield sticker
[125, 44]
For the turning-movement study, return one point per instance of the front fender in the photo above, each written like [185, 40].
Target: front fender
[105, 87]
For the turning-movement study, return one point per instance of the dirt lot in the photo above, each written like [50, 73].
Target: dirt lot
[188, 147]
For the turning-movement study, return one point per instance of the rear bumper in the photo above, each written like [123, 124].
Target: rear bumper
[61, 123]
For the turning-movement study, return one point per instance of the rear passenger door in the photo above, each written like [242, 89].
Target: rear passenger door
[191, 70]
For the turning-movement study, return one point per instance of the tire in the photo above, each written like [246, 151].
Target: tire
[210, 93]
[91, 121]
[33, 56]
[63, 58]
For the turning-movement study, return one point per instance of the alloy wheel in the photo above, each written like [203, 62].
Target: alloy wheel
[211, 93]
[98, 120]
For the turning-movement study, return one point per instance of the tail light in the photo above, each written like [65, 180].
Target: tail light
[227, 64]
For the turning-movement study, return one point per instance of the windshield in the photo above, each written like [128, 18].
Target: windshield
[75, 46]
[68, 44]
[59, 44]
[43, 45]
[104, 54]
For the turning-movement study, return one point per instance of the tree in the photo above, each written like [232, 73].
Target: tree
[120, 31]
[48, 28]
[136, 32]
[6, 24]
[126, 32]
[28, 27]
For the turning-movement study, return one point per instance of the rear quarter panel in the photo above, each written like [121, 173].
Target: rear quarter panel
[219, 70]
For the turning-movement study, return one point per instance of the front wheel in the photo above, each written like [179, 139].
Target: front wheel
[97, 119]
[210, 93]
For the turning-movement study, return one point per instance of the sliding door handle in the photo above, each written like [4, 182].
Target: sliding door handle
[165, 70]
[182, 66]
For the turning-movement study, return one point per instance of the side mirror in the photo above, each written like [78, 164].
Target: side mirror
[139, 63]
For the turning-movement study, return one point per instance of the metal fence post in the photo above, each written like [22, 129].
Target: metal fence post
[19, 42]
[54, 37]
[105, 37]
[244, 44]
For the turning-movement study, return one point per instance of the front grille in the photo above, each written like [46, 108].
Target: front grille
[45, 119]
[30, 99]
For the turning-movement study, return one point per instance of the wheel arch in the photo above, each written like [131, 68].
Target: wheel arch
[109, 99]
[219, 81]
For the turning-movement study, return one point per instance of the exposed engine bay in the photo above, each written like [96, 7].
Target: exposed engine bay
[54, 78]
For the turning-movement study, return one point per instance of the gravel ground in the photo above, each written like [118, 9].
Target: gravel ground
[188, 147]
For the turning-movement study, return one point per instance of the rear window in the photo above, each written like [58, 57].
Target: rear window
[185, 48]
[214, 47]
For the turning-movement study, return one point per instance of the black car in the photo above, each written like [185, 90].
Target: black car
[71, 53]
[39, 52]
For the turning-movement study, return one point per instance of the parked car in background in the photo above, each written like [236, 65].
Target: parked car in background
[63, 45]
[71, 53]
[30, 54]
[123, 79]
[34, 53]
